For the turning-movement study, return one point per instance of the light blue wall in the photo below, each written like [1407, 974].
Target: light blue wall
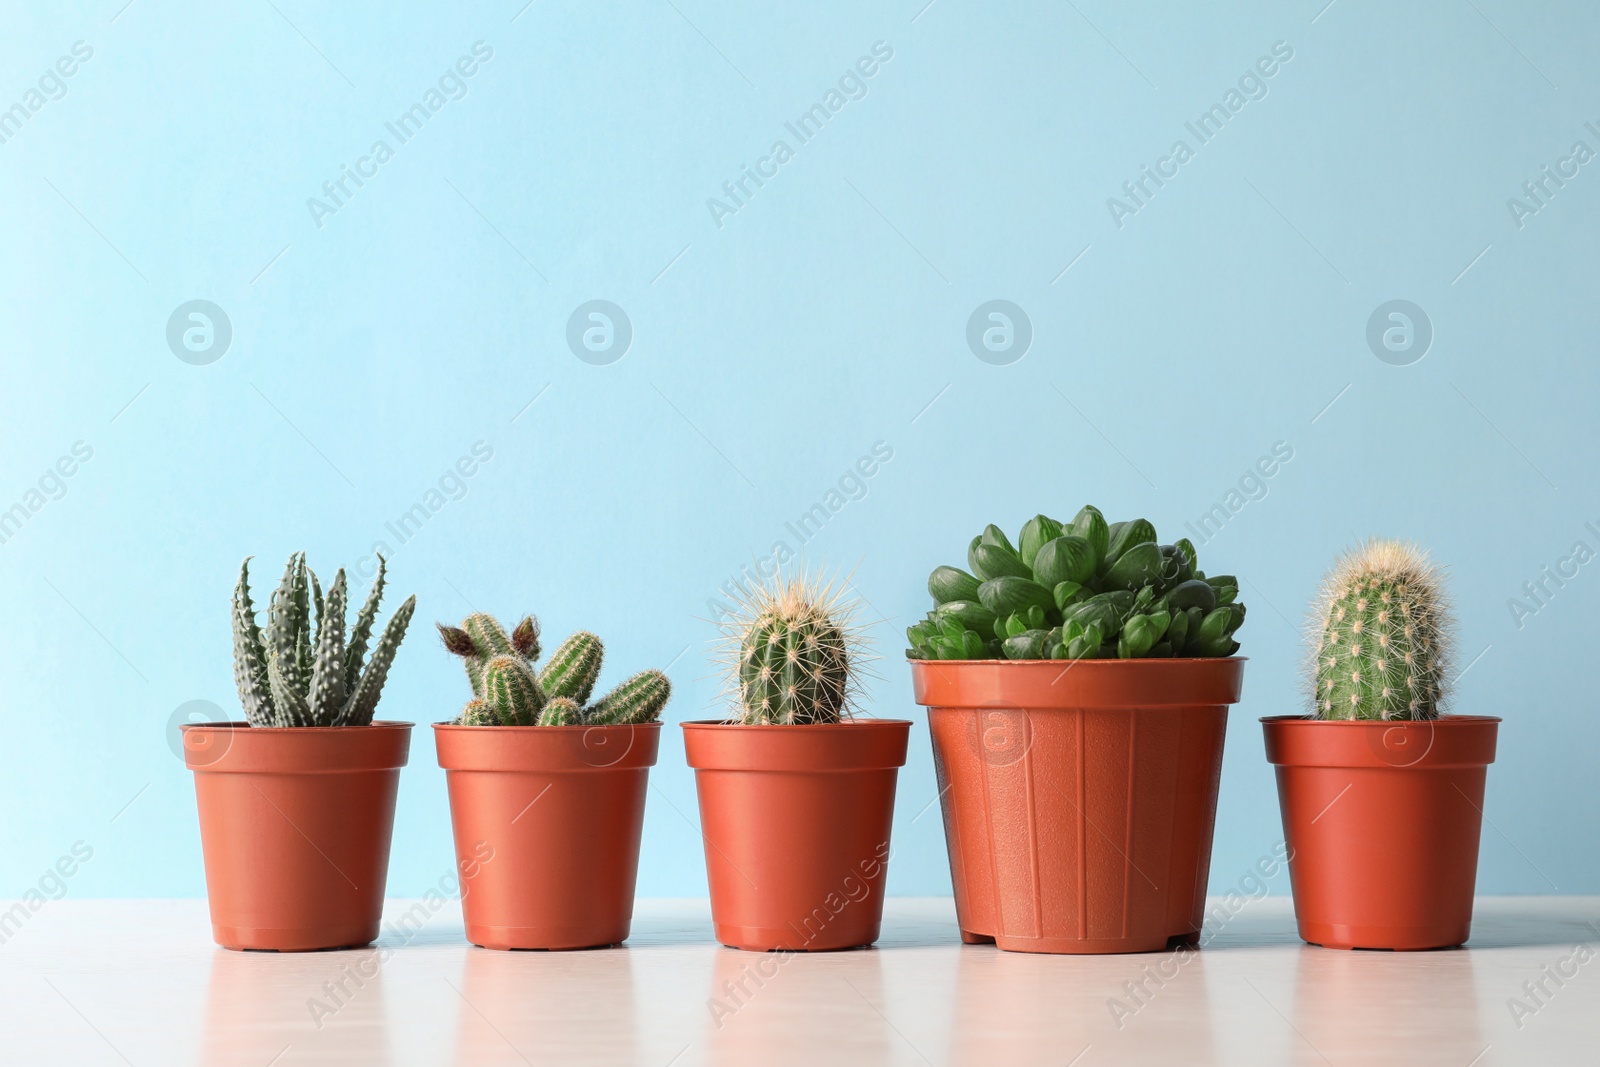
[770, 352]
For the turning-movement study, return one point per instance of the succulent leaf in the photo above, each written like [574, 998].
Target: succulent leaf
[250, 656]
[363, 700]
[326, 695]
[361, 633]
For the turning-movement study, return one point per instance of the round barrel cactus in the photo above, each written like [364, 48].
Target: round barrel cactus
[795, 649]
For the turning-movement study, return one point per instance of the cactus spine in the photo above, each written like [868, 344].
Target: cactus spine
[301, 671]
[1383, 636]
[574, 667]
[507, 692]
[793, 647]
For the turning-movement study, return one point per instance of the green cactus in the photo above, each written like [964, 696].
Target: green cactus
[481, 637]
[1384, 637]
[637, 700]
[509, 686]
[507, 692]
[301, 671]
[1084, 590]
[574, 667]
[793, 648]
[479, 713]
[561, 711]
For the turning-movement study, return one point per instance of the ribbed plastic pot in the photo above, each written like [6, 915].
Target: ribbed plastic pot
[1079, 797]
[547, 823]
[796, 822]
[295, 825]
[1382, 820]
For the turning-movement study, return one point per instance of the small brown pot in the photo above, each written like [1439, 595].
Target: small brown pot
[1382, 820]
[1079, 797]
[295, 825]
[796, 824]
[547, 823]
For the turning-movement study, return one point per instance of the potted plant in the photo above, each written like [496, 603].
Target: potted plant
[1077, 686]
[549, 784]
[297, 802]
[796, 792]
[1382, 793]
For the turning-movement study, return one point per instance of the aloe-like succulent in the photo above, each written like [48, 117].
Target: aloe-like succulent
[1384, 636]
[794, 650]
[507, 691]
[1087, 589]
[304, 670]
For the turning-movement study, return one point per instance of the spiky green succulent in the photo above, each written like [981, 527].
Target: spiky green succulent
[1383, 636]
[574, 667]
[506, 691]
[794, 651]
[639, 699]
[304, 670]
[1087, 589]
[561, 711]
[480, 638]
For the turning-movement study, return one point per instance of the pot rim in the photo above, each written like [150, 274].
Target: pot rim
[1443, 720]
[1042, 684]
[1081, 662]
[843, 724]
[1451, 741]
[851, 746]
[241, 724]
[547, 749]
[463, 727]
[239, 748]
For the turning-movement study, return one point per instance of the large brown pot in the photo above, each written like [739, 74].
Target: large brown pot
[295, 825]
[1382, 820]
[796, 824]
[547, 824]
[1079, 797]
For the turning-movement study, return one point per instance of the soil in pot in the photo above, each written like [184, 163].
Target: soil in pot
[547, 823]
[796, 821]
[1382, 820]
[295, 824]
[1079, 797]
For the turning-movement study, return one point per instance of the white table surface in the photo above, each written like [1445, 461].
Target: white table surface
[139, 982]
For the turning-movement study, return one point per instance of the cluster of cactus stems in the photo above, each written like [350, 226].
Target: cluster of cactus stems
[507, 691]
[1081, 590]
[1382, 636]
[304, 669]
[793, 650]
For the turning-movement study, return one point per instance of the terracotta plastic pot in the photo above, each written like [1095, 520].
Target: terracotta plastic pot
[295, 824]
[1079, 797]
[796, 824]
[547, 823]
[1382, 820]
